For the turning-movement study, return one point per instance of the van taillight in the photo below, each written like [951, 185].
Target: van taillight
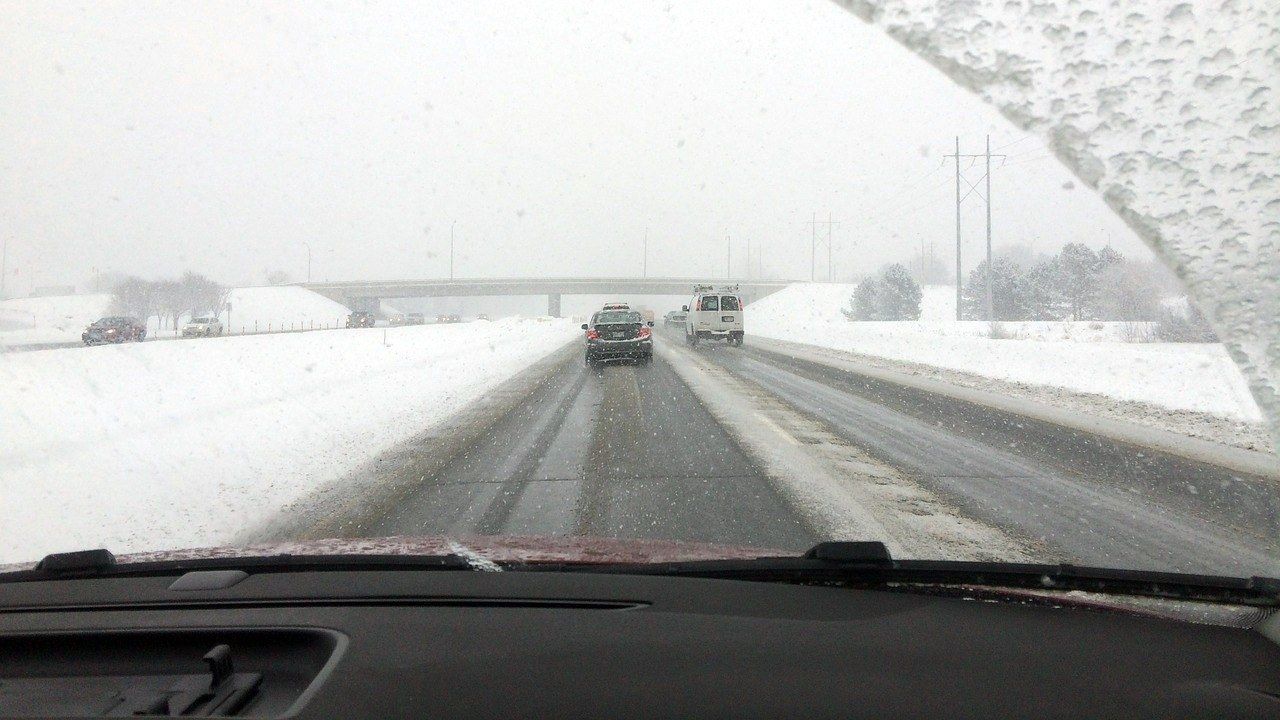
[593, 335]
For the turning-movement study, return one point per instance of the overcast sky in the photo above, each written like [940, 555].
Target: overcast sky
[220, 137]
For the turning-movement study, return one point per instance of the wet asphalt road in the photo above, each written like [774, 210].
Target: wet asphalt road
[625, 451]
[628, 451]
[1085, 501]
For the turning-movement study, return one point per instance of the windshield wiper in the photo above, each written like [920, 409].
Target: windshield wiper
[101, 563]
[869, 564]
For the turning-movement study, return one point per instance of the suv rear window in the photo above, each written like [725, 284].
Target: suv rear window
[729, 302]
[617, 316]
[710, 302]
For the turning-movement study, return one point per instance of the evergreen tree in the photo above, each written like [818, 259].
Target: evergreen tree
[866, 300]
[900, 295]
[1011, 296]
[1078, 268]
[1045, 300]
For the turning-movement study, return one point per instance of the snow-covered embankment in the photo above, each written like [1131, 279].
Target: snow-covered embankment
[166, 445]
[1080, 357]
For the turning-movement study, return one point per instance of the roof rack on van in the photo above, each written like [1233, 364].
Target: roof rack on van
[713, 288]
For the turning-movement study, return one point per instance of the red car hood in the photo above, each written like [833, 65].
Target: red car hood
[477, 548]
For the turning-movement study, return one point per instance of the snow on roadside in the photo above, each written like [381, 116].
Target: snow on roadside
[282, 306]
[58, 318]
[62, 318]
[1198, 377]
[841, 492]
[166, 445]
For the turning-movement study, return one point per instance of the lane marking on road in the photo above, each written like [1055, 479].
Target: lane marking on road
[774, 426]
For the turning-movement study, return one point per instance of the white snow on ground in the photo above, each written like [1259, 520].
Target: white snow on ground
[280, 307]
[1081, 356]
[179, 444]
[253, 309]
[59, 318]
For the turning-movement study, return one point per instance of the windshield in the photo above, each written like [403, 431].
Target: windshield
[982, 285]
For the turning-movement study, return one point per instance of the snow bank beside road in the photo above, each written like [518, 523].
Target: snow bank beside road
[166, 445]
[59, 318]
[279, 307]
[1084, 357]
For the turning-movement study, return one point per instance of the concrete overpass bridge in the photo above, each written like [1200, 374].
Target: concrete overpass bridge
[358, 294]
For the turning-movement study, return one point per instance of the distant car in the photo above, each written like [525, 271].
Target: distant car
[415, 319]
[618, 335]
[116, 329]
[202, 327]
[675, 318]
[361, 319]
[448, 318]
[616, 306]
[397, 320]
[482, 316]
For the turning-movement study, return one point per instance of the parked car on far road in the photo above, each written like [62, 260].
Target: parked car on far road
[415, 319]
[116, 329]
[202, 327]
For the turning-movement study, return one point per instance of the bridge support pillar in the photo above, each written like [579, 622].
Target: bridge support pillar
[553, 304]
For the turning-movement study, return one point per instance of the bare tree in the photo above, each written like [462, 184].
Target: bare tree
[134, 297]
[200, 294]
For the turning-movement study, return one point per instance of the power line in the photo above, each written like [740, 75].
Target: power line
[986, 156]
[813, 246]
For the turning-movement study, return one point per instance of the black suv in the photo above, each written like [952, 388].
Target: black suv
[618, 335]
[114, 330]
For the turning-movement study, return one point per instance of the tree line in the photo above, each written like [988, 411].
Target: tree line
[191, 295]
[1078, 283]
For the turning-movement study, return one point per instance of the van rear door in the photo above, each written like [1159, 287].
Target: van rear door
[729, 317]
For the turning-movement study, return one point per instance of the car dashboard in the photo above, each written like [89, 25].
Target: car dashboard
[460, 644]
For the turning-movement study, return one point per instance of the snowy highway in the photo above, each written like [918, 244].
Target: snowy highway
[632, 451]
[625, 451]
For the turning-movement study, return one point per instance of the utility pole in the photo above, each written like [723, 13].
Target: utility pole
[813, 250]
[451, 226]
[960, 199]
[990, 310]
[748, 258]
[958, 280]
[308, 247]
[831, 272]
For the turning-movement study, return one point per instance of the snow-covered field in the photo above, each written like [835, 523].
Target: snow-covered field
[182, 444]
[280, 307]
[62, 318]
[1080, 356]
[53, 319]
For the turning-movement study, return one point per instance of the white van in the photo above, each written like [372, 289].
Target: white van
[714, 314]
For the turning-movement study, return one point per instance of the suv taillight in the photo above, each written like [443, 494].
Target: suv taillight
[593, 335]
[644, 332]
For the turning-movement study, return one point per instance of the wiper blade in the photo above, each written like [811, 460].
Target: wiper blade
[869, 564]
[101, 563]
